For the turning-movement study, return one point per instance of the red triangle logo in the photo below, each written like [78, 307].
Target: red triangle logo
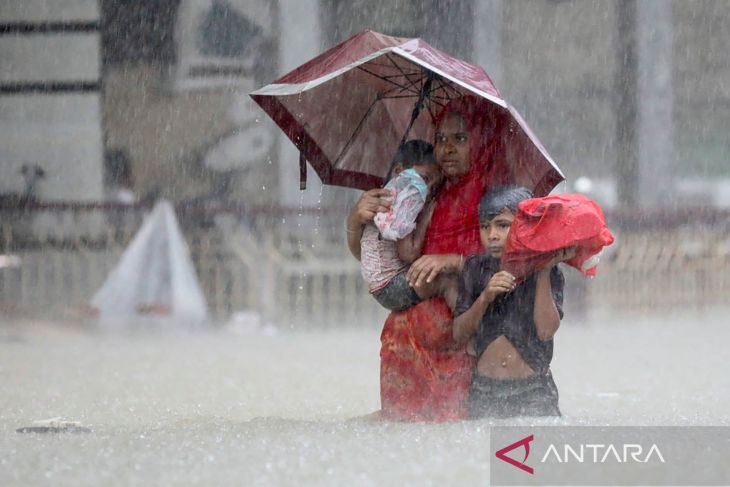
[524, 442]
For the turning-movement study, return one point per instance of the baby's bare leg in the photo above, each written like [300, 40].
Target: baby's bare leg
[445, 285]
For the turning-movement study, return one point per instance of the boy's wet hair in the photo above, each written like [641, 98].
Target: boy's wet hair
[508, 196]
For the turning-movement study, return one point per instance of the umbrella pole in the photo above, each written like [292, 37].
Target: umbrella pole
[423, 94]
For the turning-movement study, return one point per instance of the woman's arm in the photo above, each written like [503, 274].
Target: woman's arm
[371, 202]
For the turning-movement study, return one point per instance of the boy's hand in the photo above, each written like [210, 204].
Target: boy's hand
[561, 256]
[500, 283]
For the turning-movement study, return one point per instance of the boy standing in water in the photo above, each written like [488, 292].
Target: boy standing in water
[394, 239]
[511, 323]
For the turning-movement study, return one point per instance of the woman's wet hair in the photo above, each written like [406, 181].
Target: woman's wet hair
[501, 197]
[482, 123]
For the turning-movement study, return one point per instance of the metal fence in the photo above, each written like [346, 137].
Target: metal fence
[665, 263]
[54, 257]
[288, 267]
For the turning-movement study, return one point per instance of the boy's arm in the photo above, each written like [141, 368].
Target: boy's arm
[467, 323]
[545, 314]
[409, 247]
[549, 297]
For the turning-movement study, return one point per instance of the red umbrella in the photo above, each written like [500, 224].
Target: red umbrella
[348, 109]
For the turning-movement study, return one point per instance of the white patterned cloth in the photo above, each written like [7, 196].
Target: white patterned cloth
[409, 195]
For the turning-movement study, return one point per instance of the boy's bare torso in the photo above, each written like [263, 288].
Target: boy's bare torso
[501, 360]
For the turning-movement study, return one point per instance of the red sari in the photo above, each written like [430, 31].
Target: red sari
[424, 374]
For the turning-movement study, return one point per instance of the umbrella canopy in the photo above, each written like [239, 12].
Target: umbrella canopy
[348, 109]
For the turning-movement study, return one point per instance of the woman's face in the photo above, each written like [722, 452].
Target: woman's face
[452, 146]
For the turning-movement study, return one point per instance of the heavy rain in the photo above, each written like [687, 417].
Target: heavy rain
[179, 299]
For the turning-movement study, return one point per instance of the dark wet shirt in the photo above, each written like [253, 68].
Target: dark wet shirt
[510, 314]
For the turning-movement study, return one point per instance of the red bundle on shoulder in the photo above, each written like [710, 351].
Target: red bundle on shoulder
[544, 225]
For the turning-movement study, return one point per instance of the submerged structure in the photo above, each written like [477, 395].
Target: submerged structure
[155, 277]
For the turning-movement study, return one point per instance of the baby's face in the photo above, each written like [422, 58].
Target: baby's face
[431, 174]
[493, 233]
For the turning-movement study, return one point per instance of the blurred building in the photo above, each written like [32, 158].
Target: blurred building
[50, 100]
[127, 99]
[632, 93]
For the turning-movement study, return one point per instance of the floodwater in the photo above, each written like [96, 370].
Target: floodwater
[227, 409]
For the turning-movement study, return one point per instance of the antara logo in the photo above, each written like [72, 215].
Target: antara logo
[582, 453]
[624, 453]
[525, 443]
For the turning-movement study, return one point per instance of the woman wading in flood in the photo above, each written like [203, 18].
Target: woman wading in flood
[424, 373]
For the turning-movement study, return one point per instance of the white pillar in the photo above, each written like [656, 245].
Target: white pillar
[657, 161]
[299, 42]
[488, 20]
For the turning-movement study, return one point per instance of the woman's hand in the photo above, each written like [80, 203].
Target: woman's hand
[371, 202]
[427, 267]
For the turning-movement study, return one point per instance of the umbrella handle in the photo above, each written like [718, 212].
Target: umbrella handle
[302, 171]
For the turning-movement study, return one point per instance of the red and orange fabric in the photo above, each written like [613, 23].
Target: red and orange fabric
[544, 225]
[424, 374]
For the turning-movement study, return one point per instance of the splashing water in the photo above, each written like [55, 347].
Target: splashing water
[217, 407]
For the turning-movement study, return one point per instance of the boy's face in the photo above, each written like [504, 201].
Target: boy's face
[431, 174]
[493, 233]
